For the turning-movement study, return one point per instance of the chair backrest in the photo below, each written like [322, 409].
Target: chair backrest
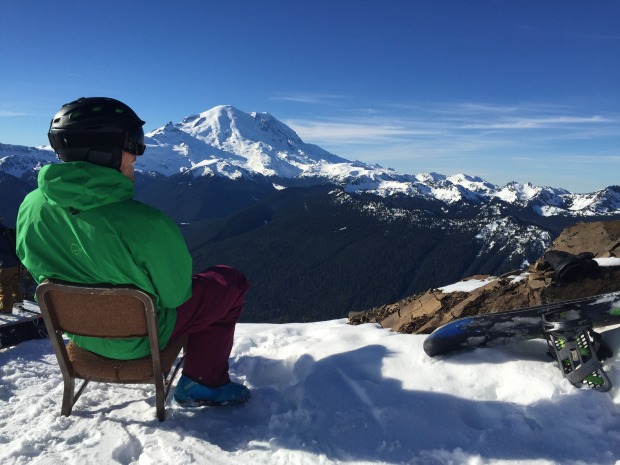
[96, 310]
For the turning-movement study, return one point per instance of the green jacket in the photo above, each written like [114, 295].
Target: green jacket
[82, 225]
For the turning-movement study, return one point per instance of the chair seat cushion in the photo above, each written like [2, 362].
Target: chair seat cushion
[94, 367]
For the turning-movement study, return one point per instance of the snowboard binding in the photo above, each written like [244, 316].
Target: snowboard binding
[577, 348]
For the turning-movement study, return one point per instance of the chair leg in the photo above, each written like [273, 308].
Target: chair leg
[163, 389]
[160, 399]
[67, 396]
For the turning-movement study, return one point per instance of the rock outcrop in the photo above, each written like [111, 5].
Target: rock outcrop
[537, 285]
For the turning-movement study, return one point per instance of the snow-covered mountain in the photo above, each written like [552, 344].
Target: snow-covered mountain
[230, 143]
[22, 162]
[227, 142]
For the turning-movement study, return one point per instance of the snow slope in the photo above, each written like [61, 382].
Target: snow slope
[324, 393]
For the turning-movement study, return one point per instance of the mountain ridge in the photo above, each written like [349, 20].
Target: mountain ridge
[230, 143]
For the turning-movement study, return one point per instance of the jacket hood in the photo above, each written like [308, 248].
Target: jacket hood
[83, 186]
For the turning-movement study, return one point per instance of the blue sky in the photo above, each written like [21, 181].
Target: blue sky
[524, 91]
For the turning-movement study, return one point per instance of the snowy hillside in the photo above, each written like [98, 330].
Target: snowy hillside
[20, 161]
[227, 142]
[324, 393]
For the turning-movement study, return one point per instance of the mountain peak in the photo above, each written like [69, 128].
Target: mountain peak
[229, 142]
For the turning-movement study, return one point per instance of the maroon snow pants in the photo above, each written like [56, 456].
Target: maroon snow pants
[208, 318]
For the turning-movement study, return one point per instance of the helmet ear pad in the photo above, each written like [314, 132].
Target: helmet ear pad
[105, 156]
[101, 147]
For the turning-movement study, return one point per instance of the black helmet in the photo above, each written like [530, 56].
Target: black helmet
[96, 130]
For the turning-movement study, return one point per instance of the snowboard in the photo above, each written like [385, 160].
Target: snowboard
[24, 324]
[494, 329]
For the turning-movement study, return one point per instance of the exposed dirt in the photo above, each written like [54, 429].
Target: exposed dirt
[423, 313]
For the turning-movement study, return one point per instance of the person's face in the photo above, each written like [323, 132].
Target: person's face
[127, 162]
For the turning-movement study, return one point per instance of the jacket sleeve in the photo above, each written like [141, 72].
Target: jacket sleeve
[165, 258]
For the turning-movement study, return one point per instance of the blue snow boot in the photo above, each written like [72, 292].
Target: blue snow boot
[190, 393]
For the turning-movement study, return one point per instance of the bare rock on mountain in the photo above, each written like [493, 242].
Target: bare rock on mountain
[601, 238]
[537, 285]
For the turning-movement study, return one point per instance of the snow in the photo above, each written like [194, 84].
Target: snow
[582, 202]
[324, 393]
[467, 286]
[16, 160]
[514, 191]
[610, 261]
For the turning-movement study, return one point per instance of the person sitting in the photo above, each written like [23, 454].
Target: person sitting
[82, 225]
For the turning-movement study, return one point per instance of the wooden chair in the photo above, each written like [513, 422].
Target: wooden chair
[109, 312]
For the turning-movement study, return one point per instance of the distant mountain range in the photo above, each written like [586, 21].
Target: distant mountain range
[317, 234]
[233, 144]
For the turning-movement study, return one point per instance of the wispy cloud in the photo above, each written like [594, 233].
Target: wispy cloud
[468, 108]
[523, 142]
[481, 108]
[11, 113]
[538, 123]
[309, 97]
[486, 124]
[508, 142]
[358, 132]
